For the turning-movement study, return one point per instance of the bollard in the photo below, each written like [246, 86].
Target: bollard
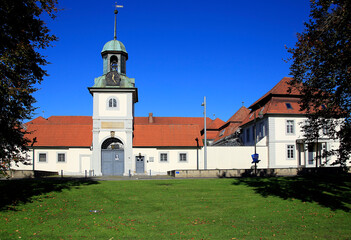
[130, 175]
[86, 173]
[150, 172]
[61, 173]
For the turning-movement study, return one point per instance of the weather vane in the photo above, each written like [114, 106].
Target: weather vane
[116, 11]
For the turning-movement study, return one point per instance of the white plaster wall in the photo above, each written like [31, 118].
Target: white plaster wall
[103, 110]
[280, 155]
[280, 128]
[278, 139]
[77, 161]
[262, 142]
[224, 157]
[158, 167]
[21, 166]
[218, 157]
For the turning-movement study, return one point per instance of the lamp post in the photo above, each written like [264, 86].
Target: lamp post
[260, 115]
[255, 132]
[205, 139]
[32, 145]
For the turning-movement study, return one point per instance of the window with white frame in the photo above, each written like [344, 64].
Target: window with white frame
[61, 157]
[42, 157]
[163, 157]
[183, 157]
[290, 126]
[248, 135]
[290, 151]
[261, 130]
[112, 103]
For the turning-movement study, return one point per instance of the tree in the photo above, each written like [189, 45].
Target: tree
[322, 72]
[22, 35]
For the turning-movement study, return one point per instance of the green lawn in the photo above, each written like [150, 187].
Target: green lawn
[247, 208]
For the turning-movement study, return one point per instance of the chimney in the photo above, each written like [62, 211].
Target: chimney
[151, 118]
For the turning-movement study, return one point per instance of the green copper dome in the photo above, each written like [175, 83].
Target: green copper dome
[114, 45]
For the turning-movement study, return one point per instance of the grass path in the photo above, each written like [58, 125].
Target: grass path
[164, 209]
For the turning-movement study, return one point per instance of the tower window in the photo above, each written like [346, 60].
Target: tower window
[114, 64]
[112, 103]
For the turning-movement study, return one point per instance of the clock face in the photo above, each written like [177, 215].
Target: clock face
[113, 79]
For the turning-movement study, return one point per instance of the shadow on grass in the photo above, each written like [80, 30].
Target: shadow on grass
[15, 192]
[332, 191]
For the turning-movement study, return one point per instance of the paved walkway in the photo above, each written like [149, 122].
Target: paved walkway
[135, 177]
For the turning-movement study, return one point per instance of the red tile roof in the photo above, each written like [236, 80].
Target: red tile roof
[275, 101]
[210, 135]
[232, 125]
[215, 124]
[173, 121]
[61, 131]
[76, 131]
[166, 136]
[240, 115]
[280, 89]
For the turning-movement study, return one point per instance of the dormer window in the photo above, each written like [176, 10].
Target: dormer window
[222, 133]
[288, 106]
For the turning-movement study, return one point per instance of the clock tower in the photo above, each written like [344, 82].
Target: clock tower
[114, 95]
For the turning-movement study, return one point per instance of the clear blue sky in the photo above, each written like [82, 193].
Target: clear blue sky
[179, 51]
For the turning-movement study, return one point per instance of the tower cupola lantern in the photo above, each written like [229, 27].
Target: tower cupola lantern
[114, 59]
[114, 53]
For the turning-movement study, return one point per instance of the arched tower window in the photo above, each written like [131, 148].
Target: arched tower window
[114, 64]
[112, 103]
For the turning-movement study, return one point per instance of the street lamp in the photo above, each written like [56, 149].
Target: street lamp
[205, 140]
[255, 156]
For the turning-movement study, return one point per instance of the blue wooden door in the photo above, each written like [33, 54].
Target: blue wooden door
[112, 162]
[139, 164]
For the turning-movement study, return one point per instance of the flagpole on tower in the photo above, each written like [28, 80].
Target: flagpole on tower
[116, 11]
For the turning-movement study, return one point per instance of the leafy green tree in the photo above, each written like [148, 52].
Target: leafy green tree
[22, 35]
[322, 72]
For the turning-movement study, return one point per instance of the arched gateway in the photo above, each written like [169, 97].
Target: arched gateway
[112, 157]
